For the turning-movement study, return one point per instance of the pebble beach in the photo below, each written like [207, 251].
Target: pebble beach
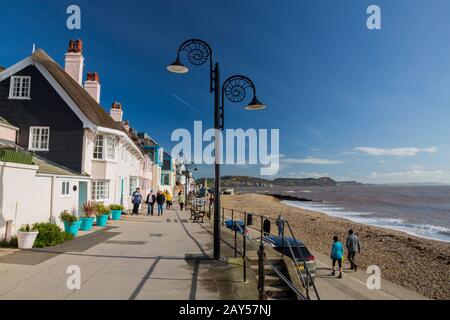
[415, 263]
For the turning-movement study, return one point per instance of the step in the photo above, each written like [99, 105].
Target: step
[277, 292]
[272, 280]
[267, 269]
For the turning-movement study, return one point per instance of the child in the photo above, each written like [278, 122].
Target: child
[337, 252]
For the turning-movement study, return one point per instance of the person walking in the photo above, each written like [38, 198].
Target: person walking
[160, 200]
[337, 253]
[181, 200]
[136, 200]
[280, 224]
[353, 246]
[151, 199]
[168, 200]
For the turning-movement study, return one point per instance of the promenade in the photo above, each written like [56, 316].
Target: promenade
[137, 258]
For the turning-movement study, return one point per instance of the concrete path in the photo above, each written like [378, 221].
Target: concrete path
[162, 258]
[353, 285]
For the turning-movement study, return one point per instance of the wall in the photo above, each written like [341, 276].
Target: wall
[46, 108]
[8, 133]
[42, 201]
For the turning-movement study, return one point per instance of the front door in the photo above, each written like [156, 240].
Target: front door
[82, 195]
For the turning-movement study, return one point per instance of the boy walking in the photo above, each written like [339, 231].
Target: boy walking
[160, 199]
[337, 253]
[136, 200]
[151, 199]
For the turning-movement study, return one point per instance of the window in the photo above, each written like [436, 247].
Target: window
[134, 183]
[98, 146]
[20, 87]
[100, 190]
[165, 179]
[65, 188]
[39, 139]
[111, 148]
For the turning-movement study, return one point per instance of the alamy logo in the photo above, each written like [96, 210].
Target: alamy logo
[374, 20]
[249, 147]
[74, 280]
[374, 280]
[74, 20]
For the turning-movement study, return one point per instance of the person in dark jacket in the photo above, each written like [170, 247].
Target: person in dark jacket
[151, 199]
[353, 246]
[160, 199]
[136, 200]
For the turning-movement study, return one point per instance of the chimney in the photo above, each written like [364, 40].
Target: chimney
[74, 61]
[126, 126]
[116, 112]
[92, 85]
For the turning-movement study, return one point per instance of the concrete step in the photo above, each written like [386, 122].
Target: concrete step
[272, 280]
[267, 269]
[276, 292]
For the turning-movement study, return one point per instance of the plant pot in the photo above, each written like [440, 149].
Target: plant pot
[86, 224]
[26, 239]
[102, 220]
[116, 214]
[72, 227]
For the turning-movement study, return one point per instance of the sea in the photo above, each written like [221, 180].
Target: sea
[422, 211]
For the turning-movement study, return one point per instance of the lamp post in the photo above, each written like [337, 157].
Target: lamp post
[234, 88]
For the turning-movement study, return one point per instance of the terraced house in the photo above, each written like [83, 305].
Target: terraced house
[59, 118]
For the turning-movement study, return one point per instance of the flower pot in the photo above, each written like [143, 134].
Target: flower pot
[116, 214]
[102, 220]
[86, 224]
[26, 239]
[72, 227]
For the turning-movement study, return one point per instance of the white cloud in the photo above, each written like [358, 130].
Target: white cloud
[396, 152]
[312, 160]
[411, 176]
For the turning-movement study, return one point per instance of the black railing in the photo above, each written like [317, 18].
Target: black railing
[243, 226]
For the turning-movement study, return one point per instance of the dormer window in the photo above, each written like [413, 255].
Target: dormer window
[20, 88]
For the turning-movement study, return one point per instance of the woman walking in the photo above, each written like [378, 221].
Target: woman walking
[181, 200]
[337, 253]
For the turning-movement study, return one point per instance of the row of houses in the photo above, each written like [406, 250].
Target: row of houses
[60, 148]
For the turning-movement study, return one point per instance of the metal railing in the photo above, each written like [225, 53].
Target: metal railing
[242, 226]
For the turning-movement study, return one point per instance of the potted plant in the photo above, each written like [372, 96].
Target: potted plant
[71, 222]
[116, 211]
[26, 237]
[102, 215]
[89, 210]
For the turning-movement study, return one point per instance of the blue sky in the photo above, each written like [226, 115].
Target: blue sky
[350, 103]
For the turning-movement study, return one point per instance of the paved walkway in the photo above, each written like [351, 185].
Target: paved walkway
[162, 258]
[353, 285]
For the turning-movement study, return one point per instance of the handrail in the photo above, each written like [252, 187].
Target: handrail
[274, 268]
[299, 273]
[304, 261]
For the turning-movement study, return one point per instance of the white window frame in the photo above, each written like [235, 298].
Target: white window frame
[21, 94]
[111, 148]
[65, 188]
[134, 184]
[96, 153]
[102, 195]
[39, 142]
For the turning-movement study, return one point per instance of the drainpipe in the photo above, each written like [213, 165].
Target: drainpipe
[52, 190]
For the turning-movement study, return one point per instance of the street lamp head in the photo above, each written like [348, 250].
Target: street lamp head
[255, 105]
[177, 67]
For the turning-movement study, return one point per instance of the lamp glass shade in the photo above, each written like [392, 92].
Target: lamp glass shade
[177, 67]
[255, 105]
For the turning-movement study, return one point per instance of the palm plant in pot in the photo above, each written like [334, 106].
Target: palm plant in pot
[102, 215]
[89, 211]
[26, 237]
[71, 222]
[116, 211]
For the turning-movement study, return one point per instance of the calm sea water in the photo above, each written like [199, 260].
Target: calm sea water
[422, 211]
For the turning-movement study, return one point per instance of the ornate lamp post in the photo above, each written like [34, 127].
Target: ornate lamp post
[234, 88]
